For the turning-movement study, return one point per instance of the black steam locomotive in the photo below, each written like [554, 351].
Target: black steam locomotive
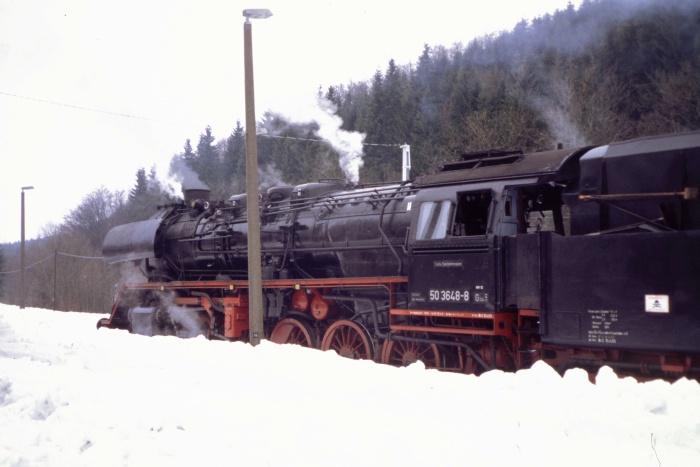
[580, 257]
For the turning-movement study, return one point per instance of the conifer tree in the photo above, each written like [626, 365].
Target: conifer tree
[141, 186]
[233, 172]
[207, 163]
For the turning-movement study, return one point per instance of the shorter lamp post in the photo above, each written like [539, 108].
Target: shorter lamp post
[21, 278]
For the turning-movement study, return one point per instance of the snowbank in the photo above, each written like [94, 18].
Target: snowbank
[72, 395]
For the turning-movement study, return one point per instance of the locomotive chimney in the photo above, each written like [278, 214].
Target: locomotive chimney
[193, 188]
[192, 194]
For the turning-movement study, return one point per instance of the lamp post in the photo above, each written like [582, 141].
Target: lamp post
[255, 303]
[22, 260]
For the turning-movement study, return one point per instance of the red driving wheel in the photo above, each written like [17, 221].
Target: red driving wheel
[403, 353]
[294, 331]
[349, 340]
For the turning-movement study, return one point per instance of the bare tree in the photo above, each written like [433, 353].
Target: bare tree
[96, 215]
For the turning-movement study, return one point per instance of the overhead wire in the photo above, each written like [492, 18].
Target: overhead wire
[117, 114]
[49, 257]
[45, 101]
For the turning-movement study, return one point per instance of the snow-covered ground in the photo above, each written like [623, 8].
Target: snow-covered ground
[71, 395]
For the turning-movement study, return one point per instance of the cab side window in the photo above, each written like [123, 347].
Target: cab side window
[542, 210]
[472, 214]
[433, 220]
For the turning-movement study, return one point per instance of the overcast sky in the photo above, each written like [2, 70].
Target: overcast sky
[91, 91]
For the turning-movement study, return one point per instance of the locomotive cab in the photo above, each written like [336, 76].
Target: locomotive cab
[457, 256]
[451, 250]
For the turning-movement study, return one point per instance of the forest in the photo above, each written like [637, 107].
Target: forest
[605, 71]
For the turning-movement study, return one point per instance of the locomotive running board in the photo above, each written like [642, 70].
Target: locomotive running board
[490, 324]
[272, 283]
[388, 283]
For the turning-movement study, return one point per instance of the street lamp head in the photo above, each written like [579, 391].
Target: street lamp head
[27, 188]
[256, 13]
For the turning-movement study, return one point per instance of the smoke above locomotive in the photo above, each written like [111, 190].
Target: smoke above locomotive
[580, 257]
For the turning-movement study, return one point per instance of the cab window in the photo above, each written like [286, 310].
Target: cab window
[472, 214]
[433, 220]
[542, 210]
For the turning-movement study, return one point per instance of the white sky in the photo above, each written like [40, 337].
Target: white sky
[74, 396]
[177, 65]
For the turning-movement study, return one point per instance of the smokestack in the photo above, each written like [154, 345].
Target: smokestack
[191, 194]
[192, 187]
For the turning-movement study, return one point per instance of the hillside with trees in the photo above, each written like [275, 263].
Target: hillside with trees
[64, 267]
[608, 70]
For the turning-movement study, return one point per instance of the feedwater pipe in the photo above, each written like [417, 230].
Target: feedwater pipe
[214, 305]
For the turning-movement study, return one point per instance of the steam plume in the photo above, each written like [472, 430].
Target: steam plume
[269, 176]
[348, 144]
[185, 176]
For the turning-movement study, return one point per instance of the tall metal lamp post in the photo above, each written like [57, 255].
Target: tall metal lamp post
[255, 303]
[22, 260]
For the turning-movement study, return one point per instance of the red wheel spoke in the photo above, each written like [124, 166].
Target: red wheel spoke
[402, 353]
[348, 339]
[294, 331]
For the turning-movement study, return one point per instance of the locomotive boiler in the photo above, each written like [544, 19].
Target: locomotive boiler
[580, 257]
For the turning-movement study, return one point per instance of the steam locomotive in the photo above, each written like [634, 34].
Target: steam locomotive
[580, 257]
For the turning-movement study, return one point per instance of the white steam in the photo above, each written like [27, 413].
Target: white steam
[186, 321]
[555, 107]
[269, 176]
[185, 176]
[348, 144]
[130, 273]
[561, 124]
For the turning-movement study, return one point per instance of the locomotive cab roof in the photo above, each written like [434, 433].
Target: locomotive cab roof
[555, 165]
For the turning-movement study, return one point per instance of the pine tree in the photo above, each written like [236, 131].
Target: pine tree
[207, 161]
[188, 154]
[233, 172]
[141, 187]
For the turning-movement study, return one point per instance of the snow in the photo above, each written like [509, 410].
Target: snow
[71, 395]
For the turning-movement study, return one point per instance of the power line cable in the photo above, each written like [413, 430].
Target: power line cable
[28, 267]
[78, 107]
[326, 141]
[78, 256]
[49, 257]
[117, 114]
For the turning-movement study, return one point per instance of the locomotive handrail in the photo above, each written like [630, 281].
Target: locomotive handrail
[312, 249]
[354, 196]
[386, 238]
[304, 204]
[687, 194]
